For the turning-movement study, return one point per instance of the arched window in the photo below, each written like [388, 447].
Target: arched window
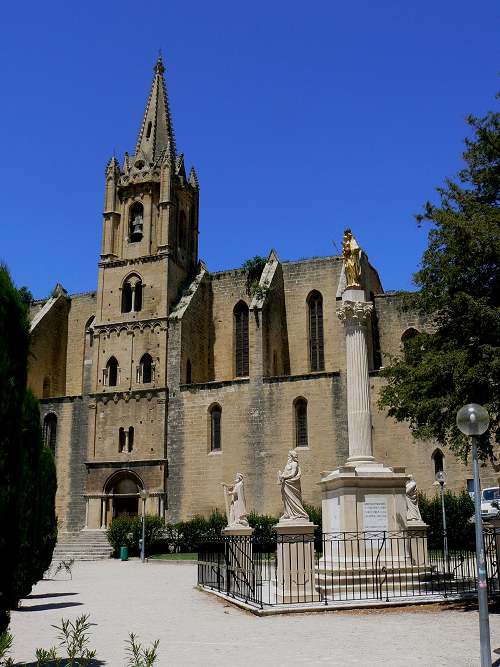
[145, 372]
[408, 335]
[438, 458]
[50, 431]
[215, 413]
[300, 406]
[182, 230]
[132, 294]
[46, 387]
[189, 372]
[122, 444]
[136, 222]
[241, 339]
[110, 373]
[316, 341]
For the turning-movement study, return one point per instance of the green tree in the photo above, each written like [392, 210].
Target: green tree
[458, 360]
[27, 472]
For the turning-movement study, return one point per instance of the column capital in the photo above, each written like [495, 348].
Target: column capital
[355, 312]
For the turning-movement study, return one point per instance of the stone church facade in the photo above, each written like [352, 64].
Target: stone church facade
[170, 379]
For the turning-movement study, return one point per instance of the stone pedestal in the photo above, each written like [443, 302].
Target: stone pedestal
[295, 578]
[417, 551]
[240, 576]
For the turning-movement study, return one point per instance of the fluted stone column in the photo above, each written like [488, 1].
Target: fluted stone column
[355, 313]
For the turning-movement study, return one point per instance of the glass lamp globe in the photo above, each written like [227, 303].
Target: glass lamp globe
[441, 477]
[473, 419]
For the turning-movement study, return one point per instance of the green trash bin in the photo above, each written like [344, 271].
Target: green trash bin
[123, 553]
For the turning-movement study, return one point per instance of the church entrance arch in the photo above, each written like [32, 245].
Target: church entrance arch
[123, 489]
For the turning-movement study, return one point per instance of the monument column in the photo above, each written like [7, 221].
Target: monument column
[355, 313]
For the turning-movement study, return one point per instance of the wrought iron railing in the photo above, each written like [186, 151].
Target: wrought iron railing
[295, 569]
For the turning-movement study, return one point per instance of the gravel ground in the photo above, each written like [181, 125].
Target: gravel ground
[158, 600]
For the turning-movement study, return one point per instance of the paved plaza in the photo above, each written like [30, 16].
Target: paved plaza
[159, 600]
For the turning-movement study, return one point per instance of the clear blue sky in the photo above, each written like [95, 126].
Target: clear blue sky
[301, 119]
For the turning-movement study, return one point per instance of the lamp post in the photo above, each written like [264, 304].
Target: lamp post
[473, 420]
[143, 495]
[441, 479]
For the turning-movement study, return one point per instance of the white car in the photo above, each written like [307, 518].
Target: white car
[490, 500]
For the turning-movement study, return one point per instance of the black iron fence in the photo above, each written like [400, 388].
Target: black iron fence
[297, 569]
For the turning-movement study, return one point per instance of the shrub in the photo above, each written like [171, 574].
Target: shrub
[265, 536]
[126, 531]
[459, 509]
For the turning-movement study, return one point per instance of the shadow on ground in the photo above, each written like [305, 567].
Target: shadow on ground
[50, 605]
[48, 595]
[63, 662]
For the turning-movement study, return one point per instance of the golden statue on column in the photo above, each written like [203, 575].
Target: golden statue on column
[351, 253]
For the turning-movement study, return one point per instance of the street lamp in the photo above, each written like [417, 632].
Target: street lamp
[441, 479]
[473, 420]
[143, 495]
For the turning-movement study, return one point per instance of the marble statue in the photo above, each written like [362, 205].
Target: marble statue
[412, 511]
[291, 492]
[351, 253]
[236, 510]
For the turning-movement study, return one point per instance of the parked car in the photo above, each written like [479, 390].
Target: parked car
[490, 499]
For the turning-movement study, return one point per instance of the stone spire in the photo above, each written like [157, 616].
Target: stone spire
[156, 134]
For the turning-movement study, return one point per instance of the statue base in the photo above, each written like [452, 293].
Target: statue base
[368, 544]
[239, 559]
[295, 579]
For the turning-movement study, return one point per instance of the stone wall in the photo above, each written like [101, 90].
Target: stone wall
[47, 361]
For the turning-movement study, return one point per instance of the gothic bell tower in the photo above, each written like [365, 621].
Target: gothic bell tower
[149, 249]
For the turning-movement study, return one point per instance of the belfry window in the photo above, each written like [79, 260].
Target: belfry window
[132, 295]
[300, 408]
[145, 370]
[136, 222]
[241, 339]
[316, 341]
[110, 373]
[130, 438]
[215, 413]
[50, 431]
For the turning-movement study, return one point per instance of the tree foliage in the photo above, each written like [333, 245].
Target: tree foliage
[27, 472]
[458, 360]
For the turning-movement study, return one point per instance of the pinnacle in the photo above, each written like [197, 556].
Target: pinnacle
[193, 178]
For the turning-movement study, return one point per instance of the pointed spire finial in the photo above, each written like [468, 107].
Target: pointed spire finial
[159, 67]
[156, 133]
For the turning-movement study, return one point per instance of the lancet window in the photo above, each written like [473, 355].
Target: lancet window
[241, 339]
[300, 407]
[111, 373]
[215, 413]
[146, 370]
[316, 340]
[50, 431]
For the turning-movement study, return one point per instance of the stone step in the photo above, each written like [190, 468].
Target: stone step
[82, 545]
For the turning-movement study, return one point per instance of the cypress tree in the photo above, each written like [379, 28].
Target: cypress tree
[27, 472]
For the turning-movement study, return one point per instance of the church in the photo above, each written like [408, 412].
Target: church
[169, 379]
